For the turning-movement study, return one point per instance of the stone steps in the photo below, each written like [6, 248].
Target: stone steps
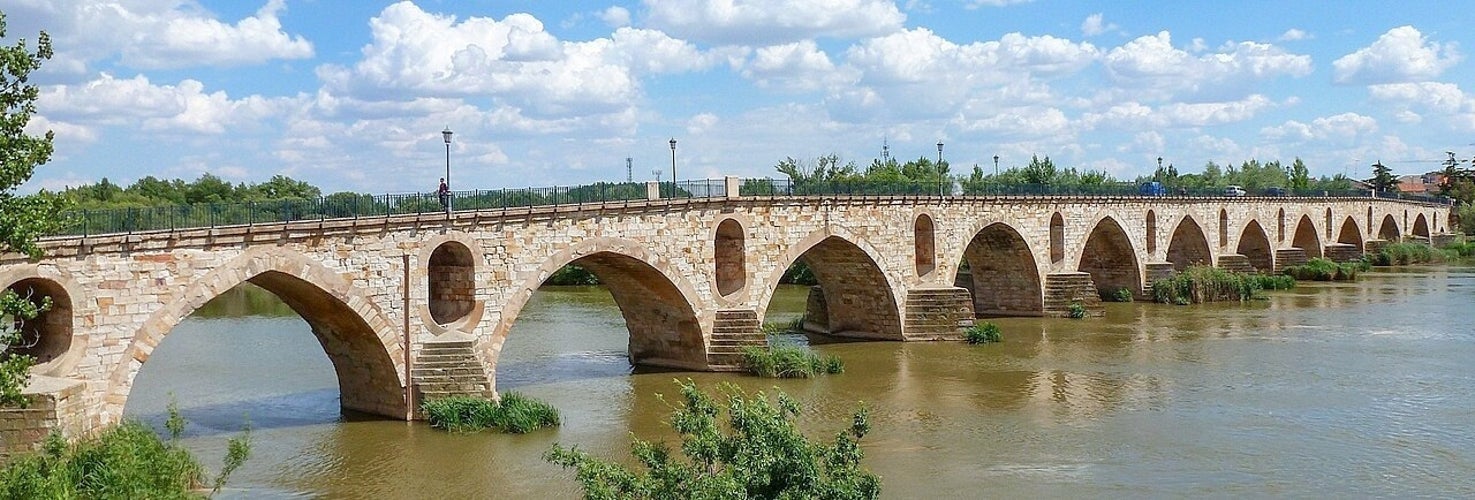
[732, 332]
[1343, 252]
[1063, 288]
[1287, 257]
[937, 313]
[448, 368]
[1236, 263]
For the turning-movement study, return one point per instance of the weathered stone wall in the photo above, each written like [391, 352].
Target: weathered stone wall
[364, 285]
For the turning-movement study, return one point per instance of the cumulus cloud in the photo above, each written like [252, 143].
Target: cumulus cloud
[1151, 62]
[1442, 103]
[163, 34]
[1095, 25]
[136, 101]
[1294, 35]
[1137, 116]
[793, 66]
[615, 16]
[772, 22]
[1400, 55]
[1342, 127]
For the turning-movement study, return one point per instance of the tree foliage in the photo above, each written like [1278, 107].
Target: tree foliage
[22, 218]
[1383, 178]
[762, 455]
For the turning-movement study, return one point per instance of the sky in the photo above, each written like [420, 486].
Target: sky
[353, 96]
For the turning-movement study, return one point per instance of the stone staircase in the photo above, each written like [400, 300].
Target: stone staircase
[733, 331]
[448, 368]
[1236, 263]
[1288, 257]
[937, 313]
[1063, 288]
[1343, 252]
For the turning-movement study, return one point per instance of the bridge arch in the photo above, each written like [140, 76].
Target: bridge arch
[1189, 245]
[1305, 237]
[1108, 256]
[657, 302]
[1388, 231]
[1005, 277]
[1350, 234]
[859, 300]
[1254, 244]
[363, 346]
[51, 337]
[1421, 226]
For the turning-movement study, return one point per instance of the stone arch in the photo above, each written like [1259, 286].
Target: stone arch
[1223, 228]
[1057, 238]
[1189, 246]
[729, 254]
[924, 244]
[1350, 233]
[1255, 246]
[51, 337]
[1109, 258]
[855, 297]
[659, 305]
[1280, 226]
[363, 346]
[1305, 237]
[1388, 231]
[450, 282]
[1421, 226]
[1006, 279]
[1151, 232]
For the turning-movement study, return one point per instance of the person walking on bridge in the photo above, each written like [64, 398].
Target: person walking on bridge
[444, 192]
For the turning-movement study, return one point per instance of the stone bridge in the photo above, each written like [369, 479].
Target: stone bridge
[413, 307]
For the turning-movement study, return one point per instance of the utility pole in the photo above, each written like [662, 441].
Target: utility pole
[628, 174]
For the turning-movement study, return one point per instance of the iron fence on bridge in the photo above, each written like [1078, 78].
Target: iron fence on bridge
[350, 205]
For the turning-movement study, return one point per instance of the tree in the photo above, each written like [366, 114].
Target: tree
[1040, 171]
[1300, 176]
[763, 456]
[1383, 178]
[23, 219]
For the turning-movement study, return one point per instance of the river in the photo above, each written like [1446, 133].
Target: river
[1329, 390]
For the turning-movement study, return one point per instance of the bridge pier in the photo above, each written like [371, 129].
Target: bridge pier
[938, 313]
[1063, 289]
[1287, 257]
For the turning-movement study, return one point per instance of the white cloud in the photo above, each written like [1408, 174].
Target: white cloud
[136, 102]
[1134, 115]
[1400, 55]
[795, 66]
[1432, 102]
[615, 16]
[701, 123]
[1294, 35]
[771, 22]
[1342, 127]
[1152, 63]
[1094, 25]
[974, 4]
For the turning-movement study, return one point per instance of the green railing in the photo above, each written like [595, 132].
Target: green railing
[345, 205]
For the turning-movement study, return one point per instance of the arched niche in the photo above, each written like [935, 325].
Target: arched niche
[729, 258]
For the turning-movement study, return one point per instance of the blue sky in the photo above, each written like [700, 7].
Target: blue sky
[353, 95]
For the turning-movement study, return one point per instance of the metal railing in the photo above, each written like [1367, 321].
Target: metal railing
[348, 205]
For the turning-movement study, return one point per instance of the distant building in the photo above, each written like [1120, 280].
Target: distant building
[1420, 184]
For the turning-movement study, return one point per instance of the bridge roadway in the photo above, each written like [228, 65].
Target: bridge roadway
[413, 307]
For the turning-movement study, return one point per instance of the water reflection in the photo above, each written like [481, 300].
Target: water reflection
[1347, 389]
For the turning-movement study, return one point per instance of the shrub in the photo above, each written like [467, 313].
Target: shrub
[1118, 295]
[1199, 284]
[760, 453]
[1077, 310]
[983, 334]
[796, 325]
[1402, 254]
[515, 413]
[1466, 249]
[1320, 269]
[789, 361]
[125, 461]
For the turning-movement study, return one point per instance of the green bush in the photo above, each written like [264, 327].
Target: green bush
[515, 413]
[1466, 249]
[797, 325]
[1320, 269]
[1405, 253]
[1118, 295]
[982, 334]
[1077, 310]
[1199, 284]
[760, 453]
[125, 461]
[789, 361]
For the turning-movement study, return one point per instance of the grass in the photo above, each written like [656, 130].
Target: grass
[1200, 284]
[1466, 249]
[797, 325]
[1405, 253]
[1320, 269]
[789, 361]
[1118, 295]
[515, 413]
[126, 461]
[1076, 310]
[983, 334]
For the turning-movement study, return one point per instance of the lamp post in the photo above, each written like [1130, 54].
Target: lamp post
[939, 168]
[996, 165]
[446, 134]
[673, 167]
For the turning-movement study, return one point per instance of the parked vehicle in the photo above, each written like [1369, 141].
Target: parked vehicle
[1234, 191]
[1276, 191]
[1153, 188]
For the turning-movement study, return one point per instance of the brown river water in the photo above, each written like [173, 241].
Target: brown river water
[1364, 389]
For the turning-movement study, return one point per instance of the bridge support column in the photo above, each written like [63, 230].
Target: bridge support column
[938, 313]
[733, 331]
[1237, 263]
[445, 368]
[56, 404]
[1373, 246]
[1287, 257]
[1063, 289]
[1342, 252]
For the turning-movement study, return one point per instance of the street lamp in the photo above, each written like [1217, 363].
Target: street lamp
[446, 134]
[1159, 163]
[673, 167]
[996, 165]
[939, 168]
